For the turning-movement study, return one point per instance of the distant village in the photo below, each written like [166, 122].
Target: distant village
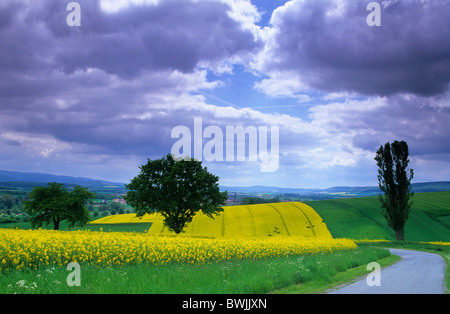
[115, 200]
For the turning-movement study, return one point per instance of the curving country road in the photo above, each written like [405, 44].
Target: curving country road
[416, 273]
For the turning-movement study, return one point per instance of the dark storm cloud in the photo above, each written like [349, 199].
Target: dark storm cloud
[330, 46]
[174, 35]
[91, 84]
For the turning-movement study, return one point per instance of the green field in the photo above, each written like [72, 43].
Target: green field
[360, 218]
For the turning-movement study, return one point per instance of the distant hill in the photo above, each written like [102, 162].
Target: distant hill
[268, 189]
[15, 178]
[344, 190]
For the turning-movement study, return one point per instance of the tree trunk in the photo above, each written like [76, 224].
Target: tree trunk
[55, 224]
[400, 234]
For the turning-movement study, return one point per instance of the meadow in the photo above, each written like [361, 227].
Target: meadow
[34, 261]
[245, 276]
[360, 218]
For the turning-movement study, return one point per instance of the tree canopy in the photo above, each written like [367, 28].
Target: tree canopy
[177, 189]
[54, 203]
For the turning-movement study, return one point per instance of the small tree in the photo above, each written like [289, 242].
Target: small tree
[177, 189]
[117, 207]
[392, 161]
[7, 201]
[54, 203]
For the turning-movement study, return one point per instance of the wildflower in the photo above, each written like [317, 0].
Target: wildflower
[21, 283]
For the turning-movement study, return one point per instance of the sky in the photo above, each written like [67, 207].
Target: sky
[99, 99]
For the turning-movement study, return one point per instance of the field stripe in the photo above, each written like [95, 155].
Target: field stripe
[307, 218]
[192, 224]
[222, 231]
[238, 222]
[282, 219]
[252, 220]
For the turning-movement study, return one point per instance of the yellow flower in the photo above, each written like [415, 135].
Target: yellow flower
[34, 249]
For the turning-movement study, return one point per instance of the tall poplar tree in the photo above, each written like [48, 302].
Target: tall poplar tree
[395, 183]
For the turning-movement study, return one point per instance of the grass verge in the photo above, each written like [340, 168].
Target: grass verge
[340, 279]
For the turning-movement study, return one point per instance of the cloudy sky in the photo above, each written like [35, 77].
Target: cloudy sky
[97, 100]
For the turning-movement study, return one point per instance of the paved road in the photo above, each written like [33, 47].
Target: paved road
[417, 273]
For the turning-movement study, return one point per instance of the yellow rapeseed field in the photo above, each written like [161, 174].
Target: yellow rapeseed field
[33, 249]
[261, 220]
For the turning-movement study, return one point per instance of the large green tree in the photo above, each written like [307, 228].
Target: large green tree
[395, 182]
[177, 189]
[54, 203]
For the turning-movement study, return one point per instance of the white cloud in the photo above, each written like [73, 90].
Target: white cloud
[283, 85]
[113, 6]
